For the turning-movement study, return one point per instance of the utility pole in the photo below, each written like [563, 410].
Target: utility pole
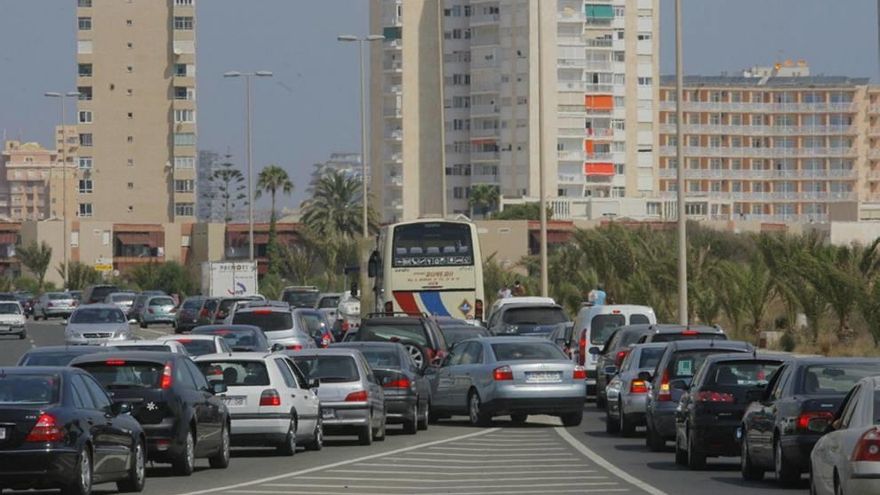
[542, 180]
[680, 174]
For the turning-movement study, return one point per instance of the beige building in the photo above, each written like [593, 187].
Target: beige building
[771, 144]
[597, 84]
[136, 113]
[32, 182]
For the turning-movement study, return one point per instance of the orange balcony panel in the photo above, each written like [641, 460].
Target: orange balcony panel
[588, 146]
[599, 102]
[603, 169]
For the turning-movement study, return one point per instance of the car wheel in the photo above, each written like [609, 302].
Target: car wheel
[573, 418]
[22, 335]
[786, 474]
[627, 427]
[612, 425]
[749, 471]
[418, 355]
[136, 478]
[654, 442]
[681, 455]
[424, 417]
[184, 463]
[600, 402]
[83, 483]
[144, 324]
[379, 436]
[317, 442]
[476, 414]
[696, 459]
[365, 436]
[410, 426]
[519, 418]
[288, 448]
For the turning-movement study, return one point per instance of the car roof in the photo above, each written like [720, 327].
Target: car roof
[241, 356]
[126, 292]
[360, 344]
[304, 288]
[523, 300]
[332, 294]
[276, 306]
[649, 345]
[148, 356]
[26, 370]
[611, 308]
[682, 345]
[809, 360]
[390, 320]
[518, 305]
[329, 351]
[98, 306]
[83, 349]
[190, 336]
[124, 343]
[745, 356]
[233, 327]
[673, 328]
[507, 340]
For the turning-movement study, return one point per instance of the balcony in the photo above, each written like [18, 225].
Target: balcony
[577, 17]
[482, 156]
[874, 153]
[746, 174]
[488, 132]
[743, 152]
[875, 108]
[584, 87]
[873, 175]
[395, 135]
[570, 155]
[484, 19]
[707, 106]
[765, 197]
[599, 43]
[762, 130]
[477, 110]
[582, 63]
[396, 66]
[392, 112]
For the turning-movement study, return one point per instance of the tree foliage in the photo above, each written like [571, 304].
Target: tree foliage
[525, 211]
[79, 275]
[230, 186]
[36, 258]
[171, 277]
[483, 199]
[336, 207]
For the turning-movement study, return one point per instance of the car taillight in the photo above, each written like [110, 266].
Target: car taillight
[478, 309]
[665, 394]
[579, 373]
[710, 396]
[270, 397]
[503, 373]
[46, 430]
[262, 311]
[359, 396]
[294, 347]
[115, 362]
[582, 347]
[166, 382]
[389, 308]
[690, 332]
[621, 355]
[638, 387]
[868, 446]
[399, 383]
[814, 421]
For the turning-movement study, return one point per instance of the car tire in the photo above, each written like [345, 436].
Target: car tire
[476, 413]
[519, 418]
[786, 474]
[83, 483]
[411, 426]
[317, 441]
[379, 435]
[425, 416]
[681, 455]
[612, 425]
[574, 418]
[288, 447]
[627, 428]
[137, 472]
[653, 441]
[600, 402]
[749, 471]
[365, 436]
[144, 324]
[184, 463]
[696, 460]
[22, 335]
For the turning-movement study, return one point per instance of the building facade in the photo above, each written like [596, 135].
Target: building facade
[32, 183]
[773, 144]
[347, 164]
[137, 111]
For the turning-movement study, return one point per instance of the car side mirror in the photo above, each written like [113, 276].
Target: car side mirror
[277, 347]
[594, 351]
[119, 408]
[218, 388]
[314, 383]
[645, 376]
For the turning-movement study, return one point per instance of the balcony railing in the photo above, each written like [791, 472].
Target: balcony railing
[745, 174]
[738, 152]
[488, 132]
[485, 155]
[766, 196]
[763, 130]
[584, 87]
[711, 106]
[485, 110]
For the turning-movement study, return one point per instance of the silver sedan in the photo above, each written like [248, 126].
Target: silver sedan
[516, 376]
[846, 460]
[626, 392]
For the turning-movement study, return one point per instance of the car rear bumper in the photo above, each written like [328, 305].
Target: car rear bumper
[340, 418]
[248, 428]
[797, 449]
[717, 439]
[663, 422]
[399, 409]
[162, 440]
[64, 312]
[157, 318]
[45, 468]
[559, 405]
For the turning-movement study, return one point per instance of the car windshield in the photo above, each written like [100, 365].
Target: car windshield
[685, 363]
[314, 323]
[329, 369]
[328, 302]
[236, 373]
[301, 298]
[28, 389]
[534, 316]
[457, 334]
[119, 373]
[650, 357]
[381, 358]
[122, 298]
[57, 296]
[405, 333]
[526, 351]
[198, 347]
[741, 373]
[48, 359]
[192, 303]
[676, 336]
[267, 320]
[602, 326]
[834, 379]
[98, 315]
[161, 301]
[9, 309]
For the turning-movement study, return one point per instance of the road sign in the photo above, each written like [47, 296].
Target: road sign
[104, 267]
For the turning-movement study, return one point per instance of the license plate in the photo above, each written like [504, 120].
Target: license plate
[544, 377]
[4, 328]
[328, 413]
[235, 401]
[2, 433]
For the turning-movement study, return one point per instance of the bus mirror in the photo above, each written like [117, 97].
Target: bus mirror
[373, 265]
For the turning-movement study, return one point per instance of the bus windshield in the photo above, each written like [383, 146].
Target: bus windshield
[432, 244]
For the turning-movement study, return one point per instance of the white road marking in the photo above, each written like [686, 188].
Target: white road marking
[452, 454]
[506, 449]
[600, 461]
[477, 470]
[340, 463]
[543, 460]
[343, 477]
[299, 491]
[421, 488]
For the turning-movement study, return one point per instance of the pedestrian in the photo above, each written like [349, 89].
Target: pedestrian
[504, 292]
[597, 296]
[518, 289]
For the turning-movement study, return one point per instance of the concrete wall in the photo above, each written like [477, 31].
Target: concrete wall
[507, 240]
[207, 242]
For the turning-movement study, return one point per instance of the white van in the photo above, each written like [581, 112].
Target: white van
[594, 324]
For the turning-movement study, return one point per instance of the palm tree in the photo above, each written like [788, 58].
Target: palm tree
[230, 188]
[483, 198]
[36, 257]
[336, 207]
[273, 179]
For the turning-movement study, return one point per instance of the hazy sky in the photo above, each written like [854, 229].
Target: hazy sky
[310, 108]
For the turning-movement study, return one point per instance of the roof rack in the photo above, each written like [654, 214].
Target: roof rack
[396, 313]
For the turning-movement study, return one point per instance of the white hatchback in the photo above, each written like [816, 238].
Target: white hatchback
[199, 345]
[269, 400]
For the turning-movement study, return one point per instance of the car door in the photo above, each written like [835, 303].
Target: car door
[113, 441]
[312, 401]
[206, 429]
[296, 396]
[215, 412]
[443, 388]
[375, 392]
[469, 373]
[91, 420]
[828, 451]
[765, 417]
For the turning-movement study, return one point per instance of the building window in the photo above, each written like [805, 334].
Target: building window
[183, 3]
[85, 163]
[85, 92]
[85, 186]
[645, 81]
[85, 116]
[128, 22]
[184, 185]
[180, 70]
[184, 209]
[130, 162]
[184, 162]
[130, 115]
[85, 23]
[129, 45]
[85, 139]
[131, 185]
[184, 93]
[183, 23]
[184, 139]
[184, 116]
[129, 139]
[84, 3]
[85, 70]
[392, 33]
[129, 69]
[85, 209]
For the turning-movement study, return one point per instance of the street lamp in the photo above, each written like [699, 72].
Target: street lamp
[248, 155]
[66, 245]
[680, 178]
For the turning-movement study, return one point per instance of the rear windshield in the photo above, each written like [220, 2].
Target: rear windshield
[236, 373]
[837, 378]
[102, 292]
[526, 351]
[314, 323]
[146, 347]
[685, 363]
[405, 333]
[650, 357]
[161, 301]
[602, 326]
[676, 336]
[122, 297]
[10, 309]
[98, 315]
[381, 358]
[432, 244]
[237, 339]
[534, 316]
[329, 302]
[639, 319]
[628, 338]
[268, 321]
[48, 359]
[329, 369]
[120, 374]
[198, 347]
[301, 298]
[742, 373]
[192, 303]
[457, 334]
[27, 389]
[55, 296]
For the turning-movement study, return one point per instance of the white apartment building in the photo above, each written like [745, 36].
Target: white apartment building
[600, 75]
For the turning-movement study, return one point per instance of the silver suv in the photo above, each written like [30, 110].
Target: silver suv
[276, 321]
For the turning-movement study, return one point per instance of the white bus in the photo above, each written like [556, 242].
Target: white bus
[429, 266]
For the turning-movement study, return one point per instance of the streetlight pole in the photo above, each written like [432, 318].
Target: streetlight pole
[66, 245]
[542, 181]
[680, 176]
[248, 153]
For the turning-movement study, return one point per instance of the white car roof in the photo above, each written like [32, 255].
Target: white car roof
[241, 356]
[157, 343]
[523, 300]
[611, 308]
[189, 336]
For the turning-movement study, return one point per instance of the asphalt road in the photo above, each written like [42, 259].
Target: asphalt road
[539, 458]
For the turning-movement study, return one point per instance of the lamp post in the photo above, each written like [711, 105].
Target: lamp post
[248, 155]
[66, 245]
[680, 177]
[542, 180]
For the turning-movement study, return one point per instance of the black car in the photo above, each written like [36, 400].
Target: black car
[195, 311]
[710, 411]
[97, 293]
[781, 427]
[26, 299]
[419, 334]
[673, 333]
[407, 390]
[172, 400]
[60, 355]
[457, 333]
[673, 375]
[301, 297]
[59, 429]
[613, 353]
[239, 338]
